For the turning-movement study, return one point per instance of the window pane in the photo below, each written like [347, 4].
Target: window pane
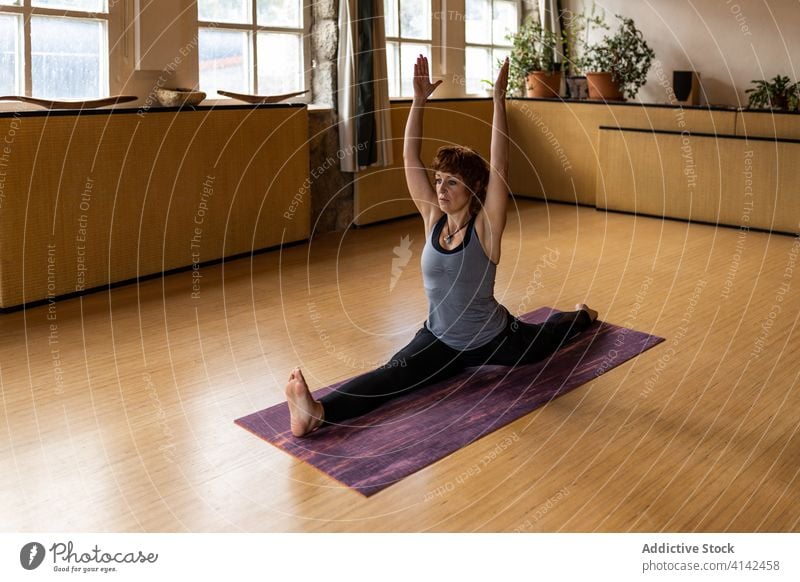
[415, 19]
[498, 56]
[408, 56]
[68, 58]
[11, 2]
[504, 21]
[82, 5]
[239, 11]
[393, 68]
[224, 61]
[10, 54]
[280, 63]
[390, 17]
[478, 29]
[478, 67]
[286, 13]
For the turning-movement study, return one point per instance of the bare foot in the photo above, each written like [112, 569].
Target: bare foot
[306, 413]
[583, 307]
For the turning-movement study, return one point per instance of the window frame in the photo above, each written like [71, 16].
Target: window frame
[491, 47]
[111, 62]
[253, 29]
[433, 45]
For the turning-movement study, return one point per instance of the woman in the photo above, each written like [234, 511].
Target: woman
[464, 215]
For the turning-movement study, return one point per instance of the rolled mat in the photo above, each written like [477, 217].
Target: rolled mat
[423, 426]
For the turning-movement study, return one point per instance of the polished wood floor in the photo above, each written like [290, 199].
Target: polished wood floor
[118, 408]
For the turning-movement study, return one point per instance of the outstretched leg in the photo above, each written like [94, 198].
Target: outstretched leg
[527, 343]
[423, 361]
[562, 327]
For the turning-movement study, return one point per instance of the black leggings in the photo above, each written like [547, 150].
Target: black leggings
[427, 360]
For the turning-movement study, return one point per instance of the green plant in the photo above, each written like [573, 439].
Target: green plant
[777, 93]
[575, 32]
[534, 49]
[794, 97]
[625, 54]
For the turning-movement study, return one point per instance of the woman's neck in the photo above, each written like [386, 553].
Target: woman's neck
[458, 219]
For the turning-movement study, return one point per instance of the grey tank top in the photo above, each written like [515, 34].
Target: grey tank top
[459, 283]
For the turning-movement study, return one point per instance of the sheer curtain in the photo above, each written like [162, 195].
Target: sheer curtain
[549, 13]
[363, 87]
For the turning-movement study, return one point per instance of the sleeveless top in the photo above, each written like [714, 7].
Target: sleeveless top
[459, 283]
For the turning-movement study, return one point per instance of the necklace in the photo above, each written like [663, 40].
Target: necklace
[448, 238]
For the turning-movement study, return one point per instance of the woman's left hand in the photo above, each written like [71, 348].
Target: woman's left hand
[501, 84]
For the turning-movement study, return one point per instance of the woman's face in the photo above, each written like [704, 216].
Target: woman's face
[452, 193]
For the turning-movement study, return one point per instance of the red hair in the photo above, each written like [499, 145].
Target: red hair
[472, 168]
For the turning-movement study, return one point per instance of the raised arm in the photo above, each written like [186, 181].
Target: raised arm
[491, 220]
[497, 189]
[419, 186]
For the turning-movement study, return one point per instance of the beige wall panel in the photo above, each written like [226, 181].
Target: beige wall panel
[659, 174]
[717, 180]
[553, 146]
[123, 195]
[764, 124]
[554, 151]
[761, 181]
[381, 193]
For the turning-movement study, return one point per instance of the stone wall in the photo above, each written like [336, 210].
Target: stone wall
[331, 189]
[324, 50]
[332, 201]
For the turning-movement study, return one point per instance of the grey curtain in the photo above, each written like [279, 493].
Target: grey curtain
[363, 91]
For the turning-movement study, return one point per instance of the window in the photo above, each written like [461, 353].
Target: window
[487, 43]
[252, 46]
[54, 49]
[408, 34]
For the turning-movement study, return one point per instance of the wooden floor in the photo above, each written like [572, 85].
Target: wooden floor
[118, 408]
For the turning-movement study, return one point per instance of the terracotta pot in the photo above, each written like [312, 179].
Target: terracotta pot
[603, 87]
[779, 103]
[544, 84]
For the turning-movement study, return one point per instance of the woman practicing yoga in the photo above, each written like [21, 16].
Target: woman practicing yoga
[464, 215]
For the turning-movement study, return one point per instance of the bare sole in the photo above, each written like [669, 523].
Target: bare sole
[305, 412]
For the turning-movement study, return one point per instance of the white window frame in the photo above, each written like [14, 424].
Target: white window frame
[27, 10]
[434, 58]
[253, 29]
[491, 47]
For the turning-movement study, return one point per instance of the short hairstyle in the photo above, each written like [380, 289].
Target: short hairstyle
[468, 164]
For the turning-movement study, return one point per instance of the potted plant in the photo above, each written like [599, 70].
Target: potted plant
[532, 62]
[778, 93]
[619, 63]
[575, 31]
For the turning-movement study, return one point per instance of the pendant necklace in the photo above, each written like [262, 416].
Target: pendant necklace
[448, 238]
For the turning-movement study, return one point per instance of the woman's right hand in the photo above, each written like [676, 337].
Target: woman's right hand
[422, 80]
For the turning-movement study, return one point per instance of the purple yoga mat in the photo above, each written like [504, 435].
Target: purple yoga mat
[417, 429]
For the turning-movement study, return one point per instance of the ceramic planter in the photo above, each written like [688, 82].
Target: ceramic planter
[544, 84]
[603, 87]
